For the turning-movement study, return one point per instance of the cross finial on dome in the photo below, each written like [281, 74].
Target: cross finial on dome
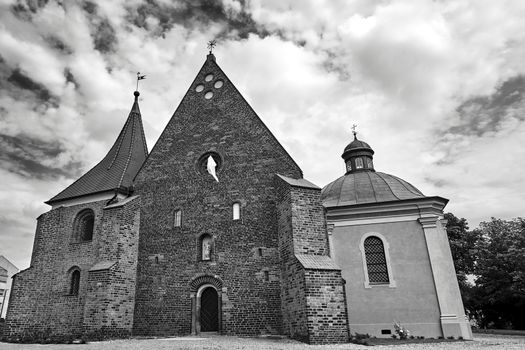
[211, 45]
[354, 132]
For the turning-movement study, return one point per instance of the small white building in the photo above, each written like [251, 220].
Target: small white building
[7, 270]
[390, 242]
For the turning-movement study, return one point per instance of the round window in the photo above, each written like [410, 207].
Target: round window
[199, 88]
[218, 84]
[208, 95]
[202, 163]
[209, 77]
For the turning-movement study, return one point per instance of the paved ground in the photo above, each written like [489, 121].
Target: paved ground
[484, 341]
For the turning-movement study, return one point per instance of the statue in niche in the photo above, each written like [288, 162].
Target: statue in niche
[206, 248]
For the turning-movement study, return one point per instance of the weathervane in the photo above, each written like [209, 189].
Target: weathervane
[139, 77]
[211, 45]
[353, 131]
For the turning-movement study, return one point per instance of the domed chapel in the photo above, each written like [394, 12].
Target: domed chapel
[216, 230]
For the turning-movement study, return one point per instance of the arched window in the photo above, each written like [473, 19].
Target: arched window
[84, 224]
[74, 283]
[376, 261]
[205, 247]
[359, 163]
[236, 211]
[177, 218]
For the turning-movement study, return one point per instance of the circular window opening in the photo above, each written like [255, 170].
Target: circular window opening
[199, 88]
[218, 84]
[208, 95]
[202, 163]
[209, 77]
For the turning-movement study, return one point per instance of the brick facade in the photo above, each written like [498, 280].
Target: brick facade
[41, 302]
[143, 273]
[245, 252]
[312, 291]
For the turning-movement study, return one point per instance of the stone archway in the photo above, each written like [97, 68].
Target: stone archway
[206, 304]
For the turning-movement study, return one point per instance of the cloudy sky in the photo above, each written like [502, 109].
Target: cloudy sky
[436, 87]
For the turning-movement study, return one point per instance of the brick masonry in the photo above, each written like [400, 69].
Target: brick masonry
[312, 291]
[41, 303]
[142, 275]
[245, 251]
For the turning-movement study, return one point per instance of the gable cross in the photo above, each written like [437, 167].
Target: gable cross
[211, 45]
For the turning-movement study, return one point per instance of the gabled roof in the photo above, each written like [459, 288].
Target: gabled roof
[119, 167]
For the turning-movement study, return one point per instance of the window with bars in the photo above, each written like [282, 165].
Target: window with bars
[376, 261]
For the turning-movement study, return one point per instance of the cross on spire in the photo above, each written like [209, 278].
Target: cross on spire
[211, 45]
[353, 131]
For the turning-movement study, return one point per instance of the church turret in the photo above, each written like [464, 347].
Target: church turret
[358, 156]
[115, 172]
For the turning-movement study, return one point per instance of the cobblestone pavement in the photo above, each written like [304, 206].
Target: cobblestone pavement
[481, 341]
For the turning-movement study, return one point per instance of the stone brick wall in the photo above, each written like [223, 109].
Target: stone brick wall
[312, 293]
[326, 313]
[245, 252]
[110, 299]
[40, 302]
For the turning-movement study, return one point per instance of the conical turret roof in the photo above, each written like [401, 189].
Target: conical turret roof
[116, 170]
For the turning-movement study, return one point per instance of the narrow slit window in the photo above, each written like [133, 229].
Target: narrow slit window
[236, 211]
[177, 218]
[75, 282]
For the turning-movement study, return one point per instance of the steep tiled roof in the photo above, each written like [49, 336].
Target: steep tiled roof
[367, 187]
[119, 166]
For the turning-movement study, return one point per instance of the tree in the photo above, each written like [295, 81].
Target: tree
[463, 244]
[500, 269]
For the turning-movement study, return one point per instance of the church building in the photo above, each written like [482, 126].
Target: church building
[216, 230]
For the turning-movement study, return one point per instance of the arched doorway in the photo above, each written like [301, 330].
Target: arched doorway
[209, 310]
[206, 304]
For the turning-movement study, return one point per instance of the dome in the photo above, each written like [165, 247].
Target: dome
[367, 187]
[356, 145]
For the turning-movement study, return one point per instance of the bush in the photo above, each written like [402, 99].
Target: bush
[359, 338]
[401, 331]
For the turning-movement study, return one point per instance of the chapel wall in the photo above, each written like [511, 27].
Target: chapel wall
[110, 298]
[244, 252]
[42, 304]
[411, 302]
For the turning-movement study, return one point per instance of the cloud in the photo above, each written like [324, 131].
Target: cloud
[436, 88]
